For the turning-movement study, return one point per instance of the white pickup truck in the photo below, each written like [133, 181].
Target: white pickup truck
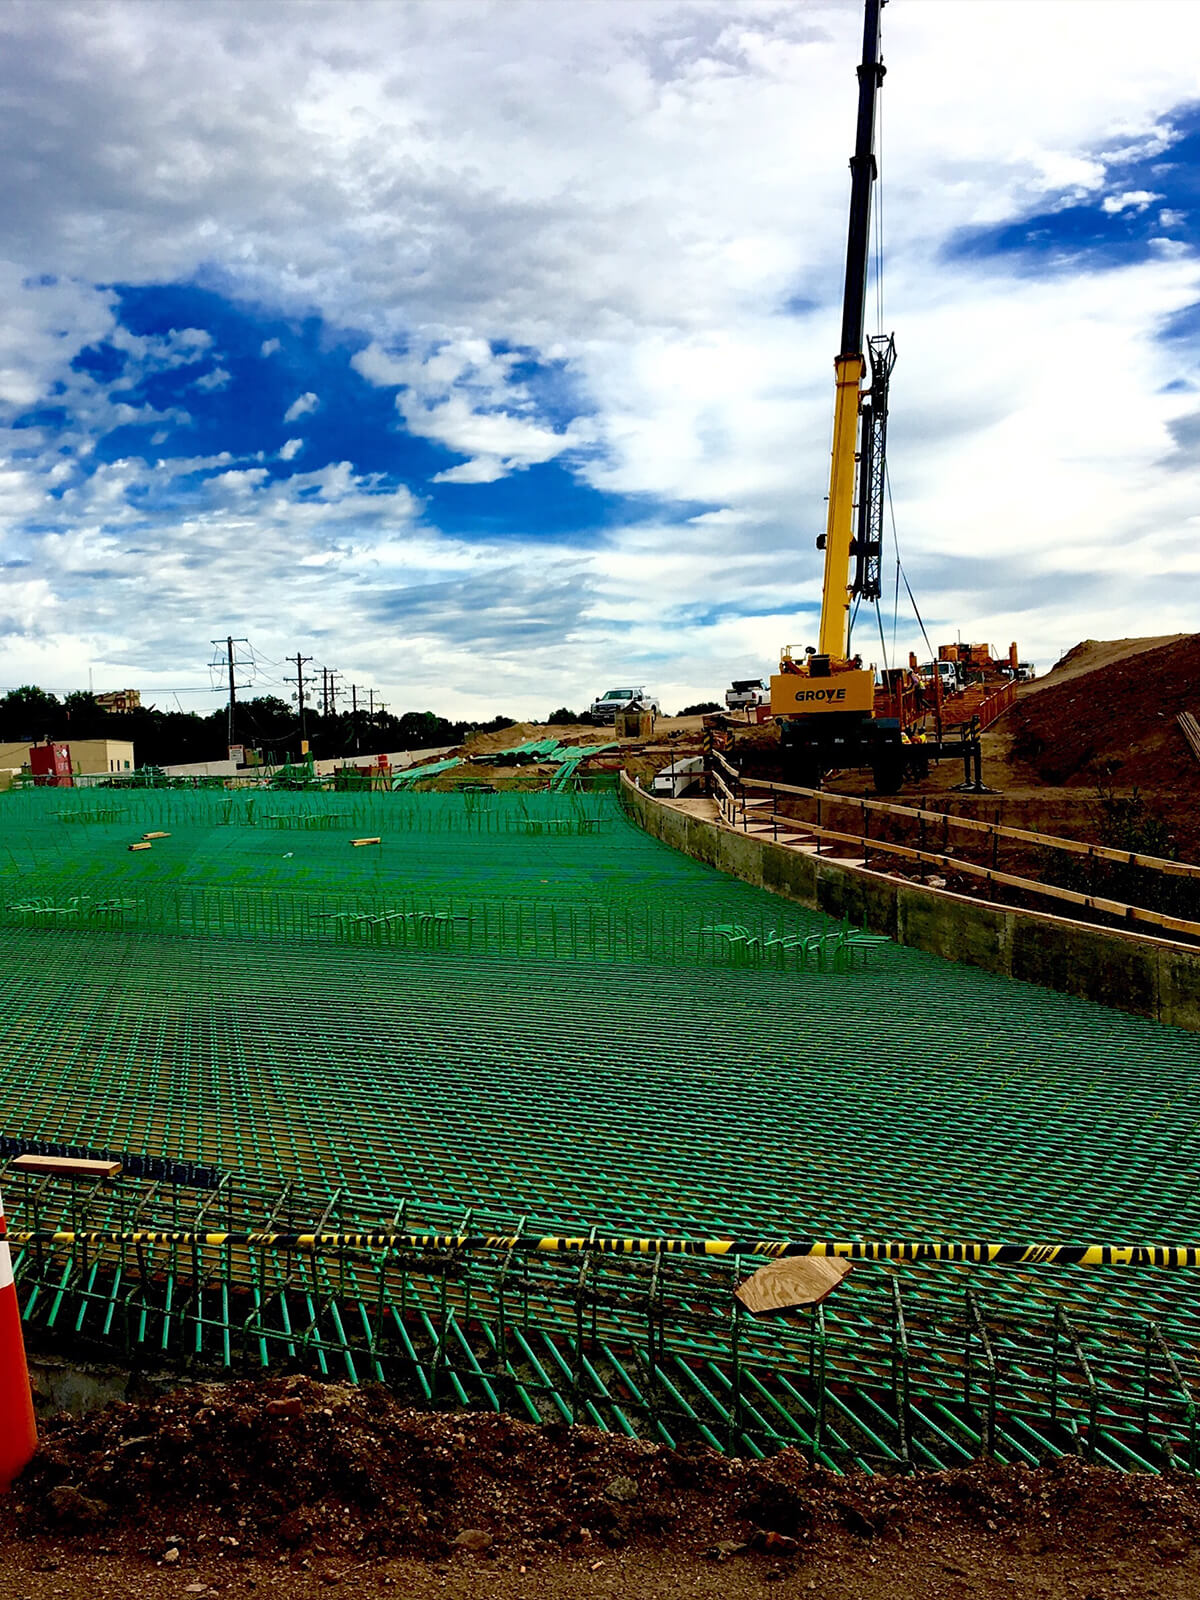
[745, 692]
[613, 700]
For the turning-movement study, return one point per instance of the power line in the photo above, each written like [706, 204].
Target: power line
[300, 665]
[229, 643]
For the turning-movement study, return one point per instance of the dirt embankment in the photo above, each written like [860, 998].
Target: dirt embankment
[672, 738]
[1089, 654]
[288, 1485]
[1115, 723]
[480, 744]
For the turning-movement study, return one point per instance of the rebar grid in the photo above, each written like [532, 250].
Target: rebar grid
[591, 1060]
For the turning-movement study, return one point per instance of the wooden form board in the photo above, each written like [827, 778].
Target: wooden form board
[65, 1166]
[1048, 841]
[794, 1281]
[1113, 908]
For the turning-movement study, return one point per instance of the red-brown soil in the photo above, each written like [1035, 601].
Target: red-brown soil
[1089, 654]
[1115, 723]
[290, 1486]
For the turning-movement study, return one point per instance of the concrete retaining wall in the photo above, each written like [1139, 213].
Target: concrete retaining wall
[1129, 971]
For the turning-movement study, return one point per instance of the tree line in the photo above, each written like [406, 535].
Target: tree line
[267, 724]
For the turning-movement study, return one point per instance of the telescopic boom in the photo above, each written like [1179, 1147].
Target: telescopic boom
[850, 366]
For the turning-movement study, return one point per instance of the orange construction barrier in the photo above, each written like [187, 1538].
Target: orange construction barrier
[18, 1431]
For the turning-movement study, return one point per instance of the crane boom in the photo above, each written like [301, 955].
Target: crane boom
[849, 367]
[834, 712]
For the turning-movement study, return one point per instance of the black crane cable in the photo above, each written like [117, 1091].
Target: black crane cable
[900, 568]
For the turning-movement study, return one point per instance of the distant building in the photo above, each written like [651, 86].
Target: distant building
[14, 759]
[63, 762]
[93, 757]
[120, 700]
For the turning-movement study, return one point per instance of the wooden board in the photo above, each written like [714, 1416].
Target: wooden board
[65, 1166]
[794, 1281]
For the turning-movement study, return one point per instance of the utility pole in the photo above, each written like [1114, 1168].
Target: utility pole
[229, 643]
[333, 676]
[300, 661]
[354, 713]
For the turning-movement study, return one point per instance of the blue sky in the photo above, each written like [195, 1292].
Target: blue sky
[285, 395]
[483, 353]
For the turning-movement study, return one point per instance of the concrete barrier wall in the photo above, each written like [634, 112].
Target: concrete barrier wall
[1129, 971]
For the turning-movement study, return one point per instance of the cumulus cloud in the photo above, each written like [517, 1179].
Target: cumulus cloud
[1135, 199]
[161, 352]
[647, 204]
[463, 394]
[301, 406]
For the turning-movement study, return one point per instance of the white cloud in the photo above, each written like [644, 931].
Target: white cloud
[43, 326]
[218, 378]
[480, 469]
[301, 406]
[1131, 200]
[159, 352]
[631, 193]
[462, 394]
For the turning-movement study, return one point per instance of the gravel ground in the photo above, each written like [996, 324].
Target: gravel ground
[290, 1487]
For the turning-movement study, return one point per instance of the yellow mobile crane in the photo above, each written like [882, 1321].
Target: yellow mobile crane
[826, 702]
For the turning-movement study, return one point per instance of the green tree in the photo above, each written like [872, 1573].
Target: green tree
[30, 713]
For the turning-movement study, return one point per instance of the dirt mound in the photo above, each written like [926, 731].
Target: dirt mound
[1092, 653]
[1114, 722]
[521, 732]
[287, 1465]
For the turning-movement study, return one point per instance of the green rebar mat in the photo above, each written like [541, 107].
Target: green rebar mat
[520, 1011]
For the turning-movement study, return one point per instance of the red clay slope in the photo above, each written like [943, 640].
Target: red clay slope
[1115, 724]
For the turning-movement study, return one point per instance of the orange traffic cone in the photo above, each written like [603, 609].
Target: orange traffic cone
[18, 1431]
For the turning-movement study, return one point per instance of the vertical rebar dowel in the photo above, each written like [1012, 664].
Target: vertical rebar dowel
[735, 1366]
[900, 1384]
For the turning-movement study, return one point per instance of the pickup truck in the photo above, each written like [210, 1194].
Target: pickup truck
[952, 674]
[613, 700]
[744, 692]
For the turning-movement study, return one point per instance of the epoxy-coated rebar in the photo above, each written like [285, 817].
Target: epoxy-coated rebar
[523, 1007]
